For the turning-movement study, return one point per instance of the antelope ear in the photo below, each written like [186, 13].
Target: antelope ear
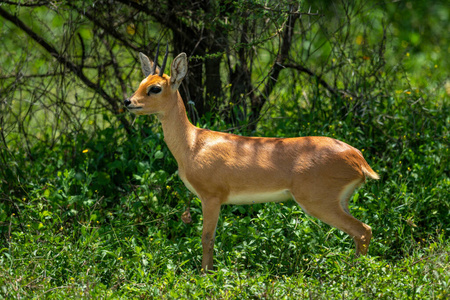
[145, 64]
[178, 70]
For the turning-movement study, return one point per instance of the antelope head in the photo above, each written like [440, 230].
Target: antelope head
[158, 92]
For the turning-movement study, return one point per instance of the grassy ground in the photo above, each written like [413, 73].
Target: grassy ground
[112, 260]
[73, 235]
[91, 223]
[98, 216]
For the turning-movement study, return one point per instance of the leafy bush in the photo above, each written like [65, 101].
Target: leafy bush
[96, 211]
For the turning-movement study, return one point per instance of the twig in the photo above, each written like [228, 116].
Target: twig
[64, 61]
[312, 74]
[20, 3]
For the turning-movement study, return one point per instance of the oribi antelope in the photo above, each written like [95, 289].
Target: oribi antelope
[319, 173]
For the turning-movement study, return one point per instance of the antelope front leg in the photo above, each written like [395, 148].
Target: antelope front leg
[211, 210]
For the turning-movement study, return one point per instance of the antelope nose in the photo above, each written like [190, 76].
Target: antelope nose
[127, 102]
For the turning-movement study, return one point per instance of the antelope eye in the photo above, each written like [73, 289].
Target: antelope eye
[154, 90]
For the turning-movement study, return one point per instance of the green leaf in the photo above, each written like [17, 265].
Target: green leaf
[159, 154]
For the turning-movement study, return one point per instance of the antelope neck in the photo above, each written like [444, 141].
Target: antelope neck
[179, 133]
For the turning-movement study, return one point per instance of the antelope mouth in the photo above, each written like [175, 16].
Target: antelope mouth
[134, 107]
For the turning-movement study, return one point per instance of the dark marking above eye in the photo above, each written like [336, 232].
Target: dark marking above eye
[154, 90]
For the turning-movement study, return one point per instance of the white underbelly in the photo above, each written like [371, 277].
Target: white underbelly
[252, 198]
[249, 198]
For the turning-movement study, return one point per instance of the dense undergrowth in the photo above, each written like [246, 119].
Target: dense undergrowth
[97, 215]
[84, 221]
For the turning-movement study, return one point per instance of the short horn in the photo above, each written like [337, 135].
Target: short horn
[155, 62]
[161, 70]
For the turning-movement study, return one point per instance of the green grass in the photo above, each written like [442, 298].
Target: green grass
[97, 215]
[285, 259]
[106, 224]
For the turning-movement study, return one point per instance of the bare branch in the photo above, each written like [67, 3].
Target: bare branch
[286, 42]
[288, 12]
[20, 75]
[20, 3]
[312, 74]
[64, 61]
[168, 20]
[108, 29]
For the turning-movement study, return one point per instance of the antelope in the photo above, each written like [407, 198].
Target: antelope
[319, 173]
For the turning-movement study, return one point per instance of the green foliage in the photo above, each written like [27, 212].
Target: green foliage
[97, 213]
